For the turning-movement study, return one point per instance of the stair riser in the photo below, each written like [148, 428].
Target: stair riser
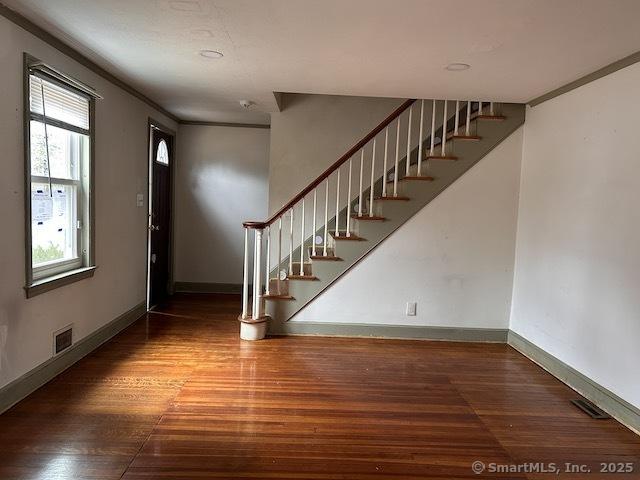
[308, 269]
[284, 287]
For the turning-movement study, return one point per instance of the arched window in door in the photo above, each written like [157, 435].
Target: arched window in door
[163, 153]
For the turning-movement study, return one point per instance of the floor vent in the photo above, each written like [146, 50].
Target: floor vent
[62, 340]
[590, 409]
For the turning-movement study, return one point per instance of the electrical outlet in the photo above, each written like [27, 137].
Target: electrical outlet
[139, 200]
[411, 309]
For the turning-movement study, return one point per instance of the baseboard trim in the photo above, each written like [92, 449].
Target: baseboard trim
[203, 287]
[452, 334]
[28, 383]
[608, 401]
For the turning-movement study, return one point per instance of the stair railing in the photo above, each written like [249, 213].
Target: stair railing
[467, 110]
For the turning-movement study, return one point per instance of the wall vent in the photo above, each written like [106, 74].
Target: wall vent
[590, 409]
[62, 339]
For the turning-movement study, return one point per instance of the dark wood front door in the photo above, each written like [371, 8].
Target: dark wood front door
[160, 221]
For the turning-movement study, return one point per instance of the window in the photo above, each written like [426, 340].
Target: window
[60, 135]
[163, 153]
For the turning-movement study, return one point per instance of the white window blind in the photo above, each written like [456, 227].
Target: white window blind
[60, 103]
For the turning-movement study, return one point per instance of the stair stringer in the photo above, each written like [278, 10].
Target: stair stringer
[420, 194]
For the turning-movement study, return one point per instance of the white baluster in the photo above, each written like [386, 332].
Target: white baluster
[468, 126]
[326, 217]
[491, 108]
[279, 253]
[360, 191]
[338, 203]
[444, 128]
[420, 139]
[408, 164]
[268, 270]
[302, 241]
[384, 163]
[291, 245]
[455, 132]
[257, 260]
[245, 275]
[373, 170]
[479, 108]
[349, 203]
[395, 168]
[313, 227]
[433, 128]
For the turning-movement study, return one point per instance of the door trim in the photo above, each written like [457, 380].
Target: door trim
[154, 124]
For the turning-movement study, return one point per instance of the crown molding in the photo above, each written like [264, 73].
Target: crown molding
[71, 52]
[224, 124]
[591, 77]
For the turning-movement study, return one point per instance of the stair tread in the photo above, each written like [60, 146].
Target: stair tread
[368, 218]
[391, 198]
[465, 137]
[274, 296]
[343, 236]
[491, 117]
[327, 258]
[424, 178]
[474, 116]
[302, 277]
[442, 157]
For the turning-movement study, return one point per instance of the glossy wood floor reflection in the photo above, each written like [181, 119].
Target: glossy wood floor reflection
[179, 396]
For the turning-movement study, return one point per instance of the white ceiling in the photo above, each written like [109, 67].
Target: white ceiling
[518, 49]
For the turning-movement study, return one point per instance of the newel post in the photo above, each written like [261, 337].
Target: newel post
[253, 326]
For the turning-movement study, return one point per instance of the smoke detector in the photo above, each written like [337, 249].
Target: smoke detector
[246, 103]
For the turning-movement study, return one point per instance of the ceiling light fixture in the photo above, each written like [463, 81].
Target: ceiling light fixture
[211, 54]
[457, 67]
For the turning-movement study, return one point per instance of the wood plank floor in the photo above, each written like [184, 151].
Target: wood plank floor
[178, 396]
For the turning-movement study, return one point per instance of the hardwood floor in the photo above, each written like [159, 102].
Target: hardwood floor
[178, 396]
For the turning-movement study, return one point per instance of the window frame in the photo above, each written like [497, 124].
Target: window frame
[44, 278]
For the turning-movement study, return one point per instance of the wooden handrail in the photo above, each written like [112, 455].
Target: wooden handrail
[350, 153]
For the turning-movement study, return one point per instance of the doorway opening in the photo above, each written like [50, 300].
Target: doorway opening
[160, 215]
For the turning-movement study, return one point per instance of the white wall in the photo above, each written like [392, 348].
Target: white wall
[577, 278]
[221, 181]
[121, 166]
[454, 258]
[312, 132]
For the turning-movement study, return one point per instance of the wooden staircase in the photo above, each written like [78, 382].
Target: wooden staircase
[396, 192]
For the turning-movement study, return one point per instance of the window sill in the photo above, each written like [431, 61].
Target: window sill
[56, 281]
